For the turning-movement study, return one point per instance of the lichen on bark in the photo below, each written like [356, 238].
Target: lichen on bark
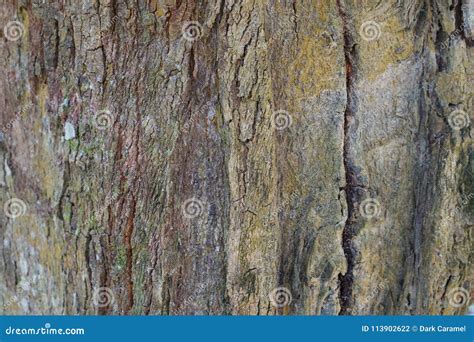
[218, 157]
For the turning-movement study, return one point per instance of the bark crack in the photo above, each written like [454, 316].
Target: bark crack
[128, 244]
[346, 280]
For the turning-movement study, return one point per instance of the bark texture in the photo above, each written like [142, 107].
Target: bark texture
[250, 157]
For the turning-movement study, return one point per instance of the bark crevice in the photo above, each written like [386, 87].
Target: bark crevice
[346, 280]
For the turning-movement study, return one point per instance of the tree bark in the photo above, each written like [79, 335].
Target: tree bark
[170, 157]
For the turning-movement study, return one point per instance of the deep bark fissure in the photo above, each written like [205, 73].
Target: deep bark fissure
[420, 195]
[194, 119]
[459, 18]
[346, 280]
[129, 251]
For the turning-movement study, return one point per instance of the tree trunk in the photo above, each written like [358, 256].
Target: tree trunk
[169, 157]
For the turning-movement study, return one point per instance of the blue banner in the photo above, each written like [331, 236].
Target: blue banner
[237, 328]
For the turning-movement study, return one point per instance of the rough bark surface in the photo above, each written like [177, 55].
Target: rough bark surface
[276, 157]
